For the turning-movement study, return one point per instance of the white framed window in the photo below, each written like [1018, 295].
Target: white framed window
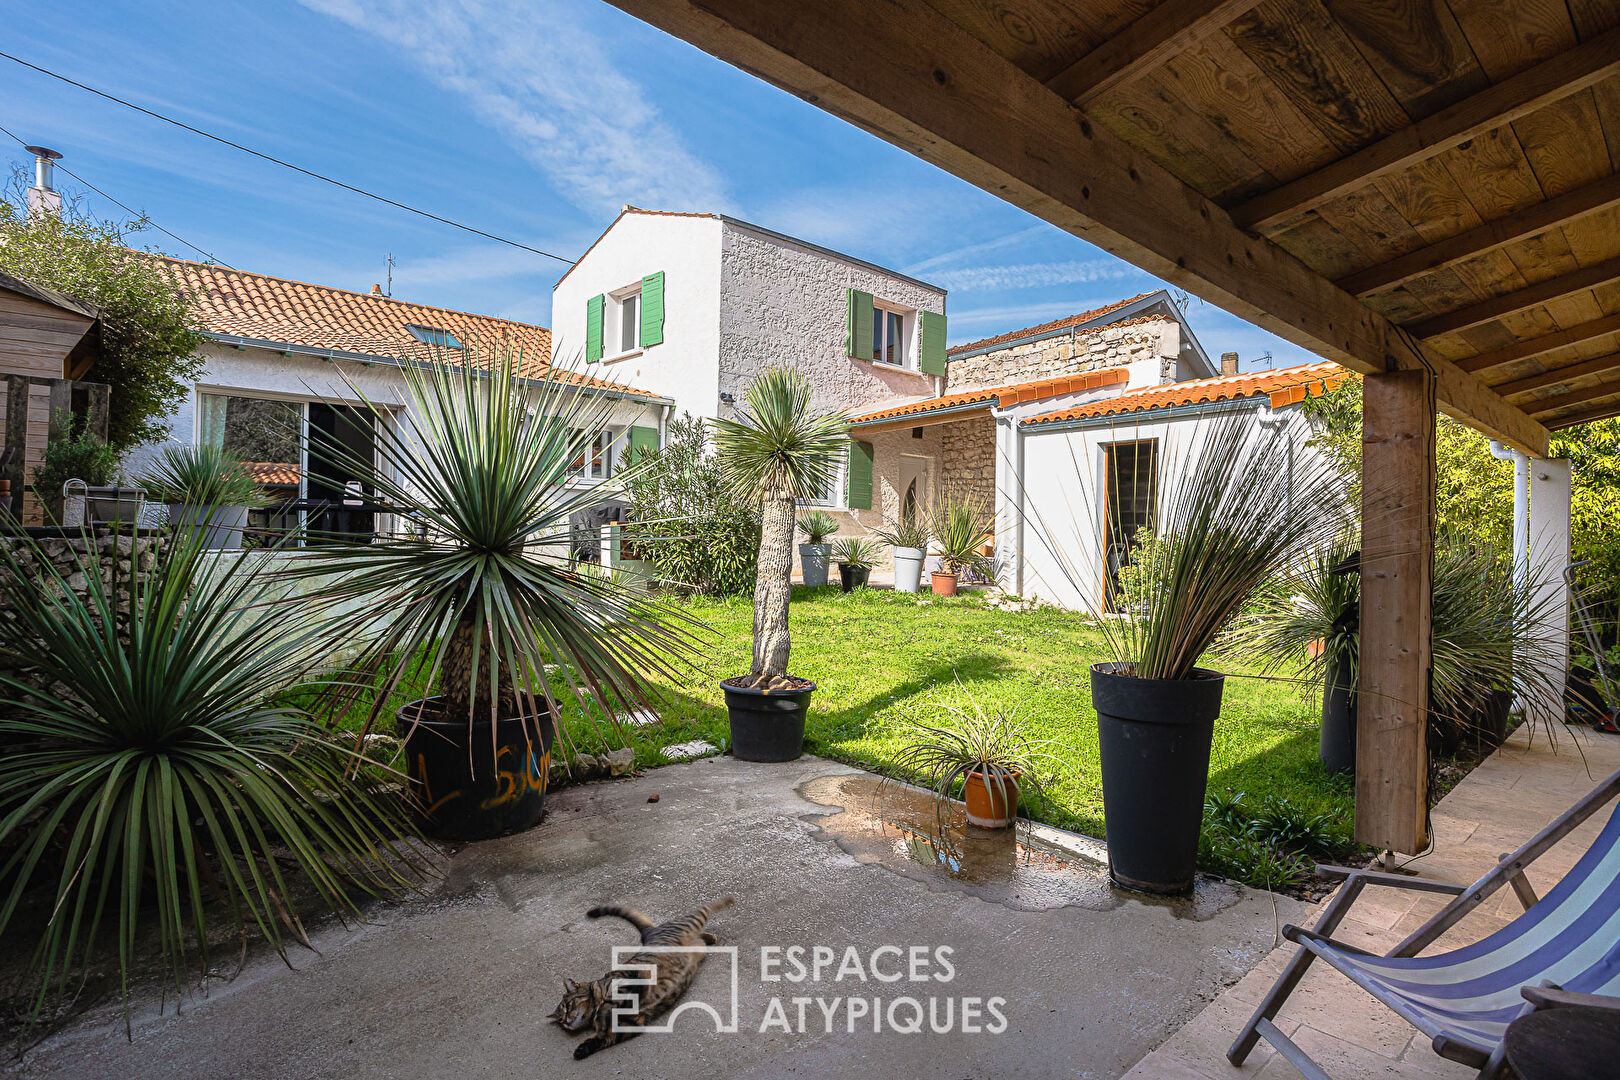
[831, 496]
[594, 460]
[890, 338]
[622, 332]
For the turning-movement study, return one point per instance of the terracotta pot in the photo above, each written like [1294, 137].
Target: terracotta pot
[992, 805]
[944, 584]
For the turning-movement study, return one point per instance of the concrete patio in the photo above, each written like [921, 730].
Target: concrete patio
[459, 981]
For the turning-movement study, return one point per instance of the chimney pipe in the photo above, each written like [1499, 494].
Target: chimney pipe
[376, 290]
[43, 198]
[1229, 363]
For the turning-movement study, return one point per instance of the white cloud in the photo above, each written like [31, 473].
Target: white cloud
[1035, 275]
[537, 75]
[945, 258]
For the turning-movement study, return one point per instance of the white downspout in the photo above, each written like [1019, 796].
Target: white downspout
[1521, 530]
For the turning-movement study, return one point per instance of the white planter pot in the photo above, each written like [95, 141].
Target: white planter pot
[813, 562]
[121, 505]
[222, 525]
[908, 568]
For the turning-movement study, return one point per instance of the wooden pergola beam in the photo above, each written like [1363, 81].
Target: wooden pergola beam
[1531, 221]
[1595, 366]
[1597, 412]
[1497, 307]
[1574, 397]
[1170, 28]
[903, 71]
[1521, 350]
[1397, 583]
[1549, 81]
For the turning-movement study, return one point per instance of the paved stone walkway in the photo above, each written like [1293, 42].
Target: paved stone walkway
[1496, 808]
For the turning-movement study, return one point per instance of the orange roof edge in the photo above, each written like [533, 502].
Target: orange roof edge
[1001, 396]
[1282, 386]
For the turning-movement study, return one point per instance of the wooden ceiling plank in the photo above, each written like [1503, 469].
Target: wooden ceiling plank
[1598, 366]
[1569, 420]
[908, 74]
[1528, 222]
[1519, 300]
[1520, 350]
[1549, 81]
[1146, 45]
[1547, 405]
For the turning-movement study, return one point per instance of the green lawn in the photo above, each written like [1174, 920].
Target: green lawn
[879, 657]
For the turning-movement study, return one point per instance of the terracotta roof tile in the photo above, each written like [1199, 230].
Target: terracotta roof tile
[1059, 324]
[272, 472]
[1003, 396]
[242, 304]
[1283, 386]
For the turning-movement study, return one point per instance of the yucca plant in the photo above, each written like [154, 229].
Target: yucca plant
[856, 551]
[201, 476]
[961, 529]
[1310, 624]
[777, 451]
[816, 525]
[482, 597]
[154, 773]
[908, 532]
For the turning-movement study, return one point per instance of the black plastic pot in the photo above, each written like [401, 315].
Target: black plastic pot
[1336, 747]
[852, 577]
[1154, 742]
[497, 789]
[767, 725]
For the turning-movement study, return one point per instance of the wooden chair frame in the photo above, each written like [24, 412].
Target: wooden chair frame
[1508, 871]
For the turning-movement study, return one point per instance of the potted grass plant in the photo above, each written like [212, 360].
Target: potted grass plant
[815, 526]
[207, 490]
[481, 602]
[162, 780]
[1311, 624]
[961, 530]
[991, 755]
[909, 538]
[776, 451]
[855, 556]
[1239, 509]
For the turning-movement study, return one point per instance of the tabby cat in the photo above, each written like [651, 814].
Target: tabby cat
[590, 1005]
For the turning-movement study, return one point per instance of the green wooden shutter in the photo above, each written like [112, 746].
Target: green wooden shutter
[593, 328]
[652, 309]
[932, 355]
[858, 478]
[641, 440]
[858, 321]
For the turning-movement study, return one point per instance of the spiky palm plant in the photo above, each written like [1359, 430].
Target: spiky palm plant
[152, 765]
[816, 526]
[777, 451]
[1242, 506]
[1318, 599]
[481, 595]
[962, 528]
[201, 476]
[997, 745]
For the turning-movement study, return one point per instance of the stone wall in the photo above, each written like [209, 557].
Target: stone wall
[120, 554]
[969, 452]
[1110, 346]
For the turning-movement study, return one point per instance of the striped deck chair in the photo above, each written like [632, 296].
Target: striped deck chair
[1563, 950]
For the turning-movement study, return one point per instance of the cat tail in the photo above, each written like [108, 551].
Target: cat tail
[707, 911]
[629, 915]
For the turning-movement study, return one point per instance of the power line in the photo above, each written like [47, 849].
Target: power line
[284, 164]
[133, 213]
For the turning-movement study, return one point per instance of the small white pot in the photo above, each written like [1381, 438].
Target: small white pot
[908, 568]
[813, 562]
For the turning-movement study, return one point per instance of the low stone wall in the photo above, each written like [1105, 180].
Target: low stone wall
[968, 470]
[72, 558]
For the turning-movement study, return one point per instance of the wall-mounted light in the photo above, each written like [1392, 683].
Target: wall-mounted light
[727, 399]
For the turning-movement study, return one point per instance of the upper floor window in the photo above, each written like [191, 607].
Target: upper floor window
[888, 335]
[624, 331]
[433, 335]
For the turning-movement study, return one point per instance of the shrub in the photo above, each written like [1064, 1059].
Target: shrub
[688, 521]
[149, 336]
[1269, 846]
[81, 456]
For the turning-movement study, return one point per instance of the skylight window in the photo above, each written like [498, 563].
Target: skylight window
[433, 335]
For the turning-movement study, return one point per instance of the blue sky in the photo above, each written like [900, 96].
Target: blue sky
[533, 120]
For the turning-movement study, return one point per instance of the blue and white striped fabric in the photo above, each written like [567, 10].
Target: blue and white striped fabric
[1571, 937]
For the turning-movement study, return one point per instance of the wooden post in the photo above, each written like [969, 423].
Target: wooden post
[1397, 573]
[96, 413]
[17, 437]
